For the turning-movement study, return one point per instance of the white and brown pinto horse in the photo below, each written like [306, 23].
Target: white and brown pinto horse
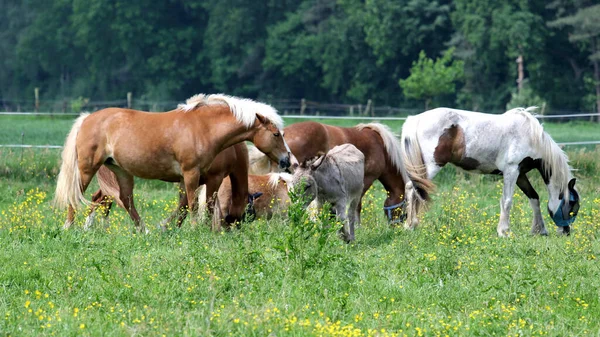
[510, 145]
[175, 146]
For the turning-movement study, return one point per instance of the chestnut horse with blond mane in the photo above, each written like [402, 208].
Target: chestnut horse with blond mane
[379, 145]
[231, 163]
[175, 146]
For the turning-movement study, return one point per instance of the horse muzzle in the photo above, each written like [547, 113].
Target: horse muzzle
[285, 162]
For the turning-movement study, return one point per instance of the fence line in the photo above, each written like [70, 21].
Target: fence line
[592, 142]
[26, 146]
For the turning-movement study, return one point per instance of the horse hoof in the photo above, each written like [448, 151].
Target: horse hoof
[504, 234]
[67, 225]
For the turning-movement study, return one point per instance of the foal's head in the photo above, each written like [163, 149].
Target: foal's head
[269, 140]
[563, 207]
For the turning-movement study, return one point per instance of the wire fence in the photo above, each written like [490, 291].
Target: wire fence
[289, 108]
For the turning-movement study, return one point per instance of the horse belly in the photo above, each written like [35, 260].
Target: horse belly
[479, 160]
[150, 167]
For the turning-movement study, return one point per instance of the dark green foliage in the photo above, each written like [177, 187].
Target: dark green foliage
[328, 50]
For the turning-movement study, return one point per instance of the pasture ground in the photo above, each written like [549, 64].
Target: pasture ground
[451, 276]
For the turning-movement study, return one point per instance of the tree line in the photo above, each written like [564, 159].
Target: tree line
[460, 53]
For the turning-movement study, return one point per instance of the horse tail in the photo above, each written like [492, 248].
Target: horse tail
[201, 194]
[68, 184]
[418, 186]
[390, 142]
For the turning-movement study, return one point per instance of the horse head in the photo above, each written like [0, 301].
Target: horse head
[565, 206]
[269, 140]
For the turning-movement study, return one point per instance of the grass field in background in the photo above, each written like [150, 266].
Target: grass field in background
[450, 276]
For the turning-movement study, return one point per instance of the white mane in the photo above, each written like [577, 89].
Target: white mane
[555, 160]
[390, 142]
[243, 109]
[274, 179]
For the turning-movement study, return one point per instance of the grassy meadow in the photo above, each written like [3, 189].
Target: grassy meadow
[294, 277]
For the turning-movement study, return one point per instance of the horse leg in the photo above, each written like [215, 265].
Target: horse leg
[180, 212]
[510, 179]
[537, 226]
[125, 181]
[191, 180]
[367, 182]
[70, 217]
[96, 200]
[340, 210]
[353, 217]
[394, 205]
[182, 208]
[239, 196]
[212, 188]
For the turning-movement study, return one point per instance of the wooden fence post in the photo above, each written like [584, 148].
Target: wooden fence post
[302, 106]
[129, 99]
[36, 93]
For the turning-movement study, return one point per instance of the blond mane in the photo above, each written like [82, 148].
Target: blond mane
[390, 142]
[243, 109]
[275, 177]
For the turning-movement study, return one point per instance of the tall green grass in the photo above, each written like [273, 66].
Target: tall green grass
[295, 277]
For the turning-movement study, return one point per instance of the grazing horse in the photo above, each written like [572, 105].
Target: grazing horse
[335, 177]
[175, 146]
[268, 194]
[510, 145]
[379, 145]
[231, 162]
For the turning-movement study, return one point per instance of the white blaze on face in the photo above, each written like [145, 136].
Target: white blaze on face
[287, 148]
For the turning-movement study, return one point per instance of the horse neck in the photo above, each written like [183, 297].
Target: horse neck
[226, 131]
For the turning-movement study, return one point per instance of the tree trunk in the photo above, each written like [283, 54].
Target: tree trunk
[521, 74]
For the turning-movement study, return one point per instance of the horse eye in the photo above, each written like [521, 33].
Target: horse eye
[276, 134]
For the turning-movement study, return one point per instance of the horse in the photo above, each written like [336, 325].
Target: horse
[268, 194]
[376, 141]
[231, 162]
[175, 146]
[335, 177]
[509, 145]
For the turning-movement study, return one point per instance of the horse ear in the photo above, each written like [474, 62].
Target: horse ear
[315, 165]
[262, 119]
[572, 183]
